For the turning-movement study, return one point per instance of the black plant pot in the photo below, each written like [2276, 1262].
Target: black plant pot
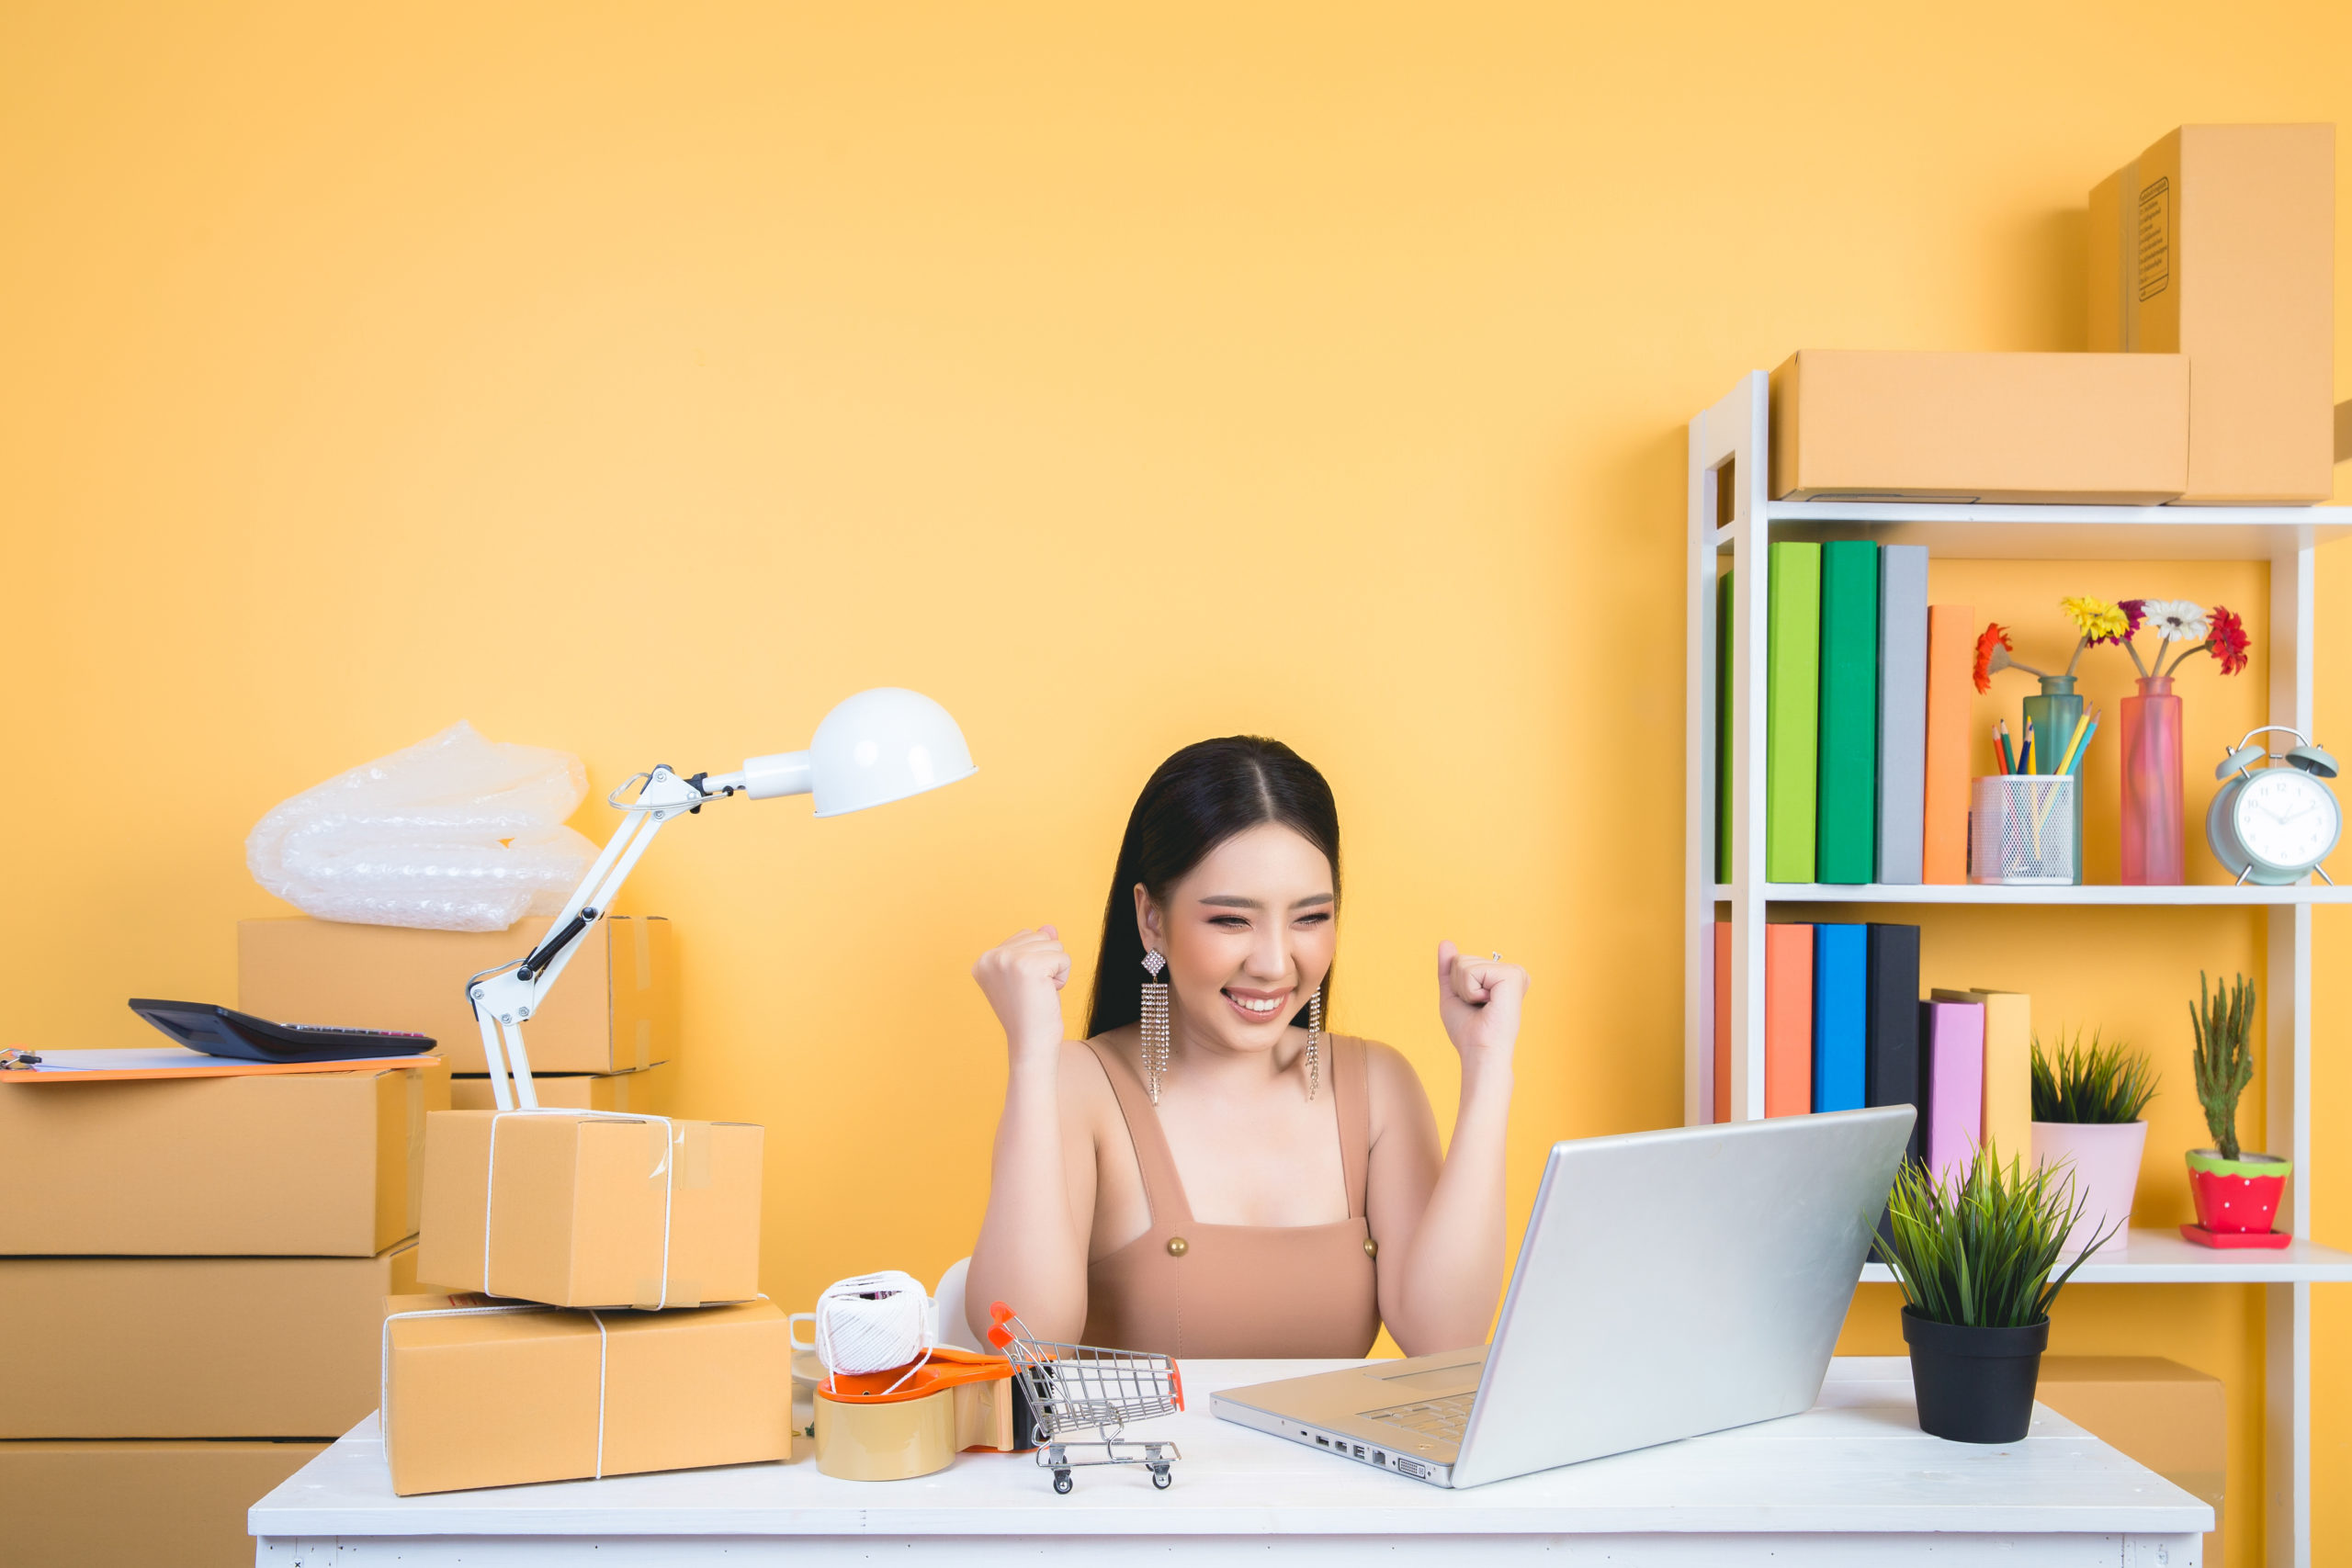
[1975, 1385]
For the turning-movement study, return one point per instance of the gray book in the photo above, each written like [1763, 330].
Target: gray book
[1902, 711]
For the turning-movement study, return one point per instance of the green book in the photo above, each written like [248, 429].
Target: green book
[1847, 787]
[1792, 711]
[1723, 666]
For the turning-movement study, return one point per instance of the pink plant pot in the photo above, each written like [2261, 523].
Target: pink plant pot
[2105, 1160]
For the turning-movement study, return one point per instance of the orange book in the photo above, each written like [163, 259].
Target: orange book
[1788, 1020]
[1951, 665]
[1720, 1099]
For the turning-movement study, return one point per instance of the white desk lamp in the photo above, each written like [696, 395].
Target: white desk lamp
[874, 748]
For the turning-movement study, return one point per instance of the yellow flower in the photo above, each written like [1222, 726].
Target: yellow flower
[2095, 619]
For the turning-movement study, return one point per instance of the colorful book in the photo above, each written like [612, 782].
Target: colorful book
[1719, 1096]
[1723, 668]
[1951, 689]
[1891, 1058]
[1902, 710]
[2007, 1123]
[1791, 712]
[1841, 1016]
[1846, 792]
[1954, 1078]
[1788, 1020]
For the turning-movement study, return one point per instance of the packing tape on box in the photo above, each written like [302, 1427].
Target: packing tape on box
[652, 1295]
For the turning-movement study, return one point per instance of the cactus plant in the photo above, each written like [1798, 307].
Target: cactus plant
[2223, 1056]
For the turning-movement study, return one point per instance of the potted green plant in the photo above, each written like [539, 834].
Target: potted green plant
[1974, 1261]
[2236, 1193]
[2088, 1100]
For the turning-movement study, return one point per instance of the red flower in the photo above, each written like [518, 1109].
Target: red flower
[2225, 638]
[1992, 637]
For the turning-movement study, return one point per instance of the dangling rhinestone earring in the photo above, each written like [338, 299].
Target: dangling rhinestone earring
[1314, 1042]
[1154, 1024]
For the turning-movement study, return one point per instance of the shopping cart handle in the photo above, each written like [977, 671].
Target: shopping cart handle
[999, 1312]
[999, 1337]
[1176, 1379]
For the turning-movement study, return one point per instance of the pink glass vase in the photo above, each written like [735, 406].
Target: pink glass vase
[2150, 768]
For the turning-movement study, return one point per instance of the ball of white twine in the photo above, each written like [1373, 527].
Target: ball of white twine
[871, 1323]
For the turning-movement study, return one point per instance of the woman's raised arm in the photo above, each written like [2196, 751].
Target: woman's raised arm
[1031, 1251]
[1440, 1224]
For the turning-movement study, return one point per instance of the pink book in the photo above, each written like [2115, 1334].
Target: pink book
[1953, 1082]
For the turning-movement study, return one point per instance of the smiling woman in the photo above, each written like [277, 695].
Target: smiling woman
[1210, 1174]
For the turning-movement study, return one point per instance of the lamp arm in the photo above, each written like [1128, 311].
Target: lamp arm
[503, 998]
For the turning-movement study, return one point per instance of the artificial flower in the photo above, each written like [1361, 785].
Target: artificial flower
[2176, 620]
[2227, 640]
[2135, 611]
[1992, 643]
[2096, 619]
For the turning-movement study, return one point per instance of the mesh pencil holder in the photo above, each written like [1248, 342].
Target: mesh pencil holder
[2022, 829]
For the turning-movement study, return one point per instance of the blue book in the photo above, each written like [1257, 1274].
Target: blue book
[1841, 1015]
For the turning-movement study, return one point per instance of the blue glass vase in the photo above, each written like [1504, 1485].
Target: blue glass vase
[2053, 716]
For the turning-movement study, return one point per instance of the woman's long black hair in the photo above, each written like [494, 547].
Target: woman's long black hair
[1194, 801]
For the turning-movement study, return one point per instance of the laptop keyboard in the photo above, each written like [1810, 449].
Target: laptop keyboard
[1443, 1418]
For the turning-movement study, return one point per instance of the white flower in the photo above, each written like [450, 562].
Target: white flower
[2174, 620]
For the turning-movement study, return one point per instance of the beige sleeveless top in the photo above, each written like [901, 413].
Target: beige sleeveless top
[1187, 1289]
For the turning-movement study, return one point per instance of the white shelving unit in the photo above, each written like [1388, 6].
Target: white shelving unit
[1732, 515]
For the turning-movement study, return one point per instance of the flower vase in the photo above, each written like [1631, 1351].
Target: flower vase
[2053, 716]
[2152, 789]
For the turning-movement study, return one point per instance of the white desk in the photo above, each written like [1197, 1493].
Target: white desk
[1852, 1482]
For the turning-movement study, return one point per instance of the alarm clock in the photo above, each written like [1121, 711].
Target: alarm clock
[2271, 827]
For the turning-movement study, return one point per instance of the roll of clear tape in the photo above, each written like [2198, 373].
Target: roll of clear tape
[871, 1323]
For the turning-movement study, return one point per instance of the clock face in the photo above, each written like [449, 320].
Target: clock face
[2285, 818]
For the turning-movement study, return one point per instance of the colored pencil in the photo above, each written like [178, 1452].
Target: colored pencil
[2074, 742]
[2001, 741]
[2024, 758]
[2083, 752]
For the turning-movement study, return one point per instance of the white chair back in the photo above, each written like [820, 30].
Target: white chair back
[953, 1328]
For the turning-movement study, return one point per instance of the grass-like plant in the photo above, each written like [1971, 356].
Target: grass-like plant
[1979, 1254]
[2223, 1056]
[2091, 1083]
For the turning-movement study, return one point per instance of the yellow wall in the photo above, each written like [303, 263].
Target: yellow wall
[641, 379]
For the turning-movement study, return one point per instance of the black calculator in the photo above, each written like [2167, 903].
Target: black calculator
[225, 1032]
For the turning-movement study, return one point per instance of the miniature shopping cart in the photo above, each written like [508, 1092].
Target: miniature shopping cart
[1073, 1387]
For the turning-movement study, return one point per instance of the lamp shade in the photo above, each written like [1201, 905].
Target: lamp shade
[881, 746]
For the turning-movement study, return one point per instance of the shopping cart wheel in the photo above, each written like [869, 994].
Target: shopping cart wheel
[1160, 1476]
[1061, 1481]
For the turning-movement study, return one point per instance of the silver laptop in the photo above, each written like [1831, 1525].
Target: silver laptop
[1670, 1283]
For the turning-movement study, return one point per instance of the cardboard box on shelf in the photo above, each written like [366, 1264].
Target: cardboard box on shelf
[300, 1165]
[592, 1210]
[613, 1010]
[499, 1398]
[2167, 1417]
[194, 1347]
[2219, 244]
[138, 1504]
[1885, 425]
[646, 1093]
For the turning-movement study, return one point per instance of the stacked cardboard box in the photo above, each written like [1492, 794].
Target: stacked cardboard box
[614, 1014]
[2167, 1417]
[205, 1266]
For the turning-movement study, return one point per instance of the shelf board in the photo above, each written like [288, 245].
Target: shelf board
[2166, 1258]
[1995, 531]
[2199, 897]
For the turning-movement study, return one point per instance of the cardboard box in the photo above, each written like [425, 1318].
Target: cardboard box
[1881, 424]
[141, 1504]
[2219, 242]
[2167, 1417]
[499, 1398]
[194, 1347]
[325, 1165]
[615, 1010]
[646, 1093]
[587, 1208]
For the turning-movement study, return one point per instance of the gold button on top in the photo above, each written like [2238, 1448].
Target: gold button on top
[1178, 1247]
[1371, 1248]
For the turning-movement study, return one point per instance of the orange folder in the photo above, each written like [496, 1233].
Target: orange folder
[1721, 1098]
[1788, 1020]
[1951, 666]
